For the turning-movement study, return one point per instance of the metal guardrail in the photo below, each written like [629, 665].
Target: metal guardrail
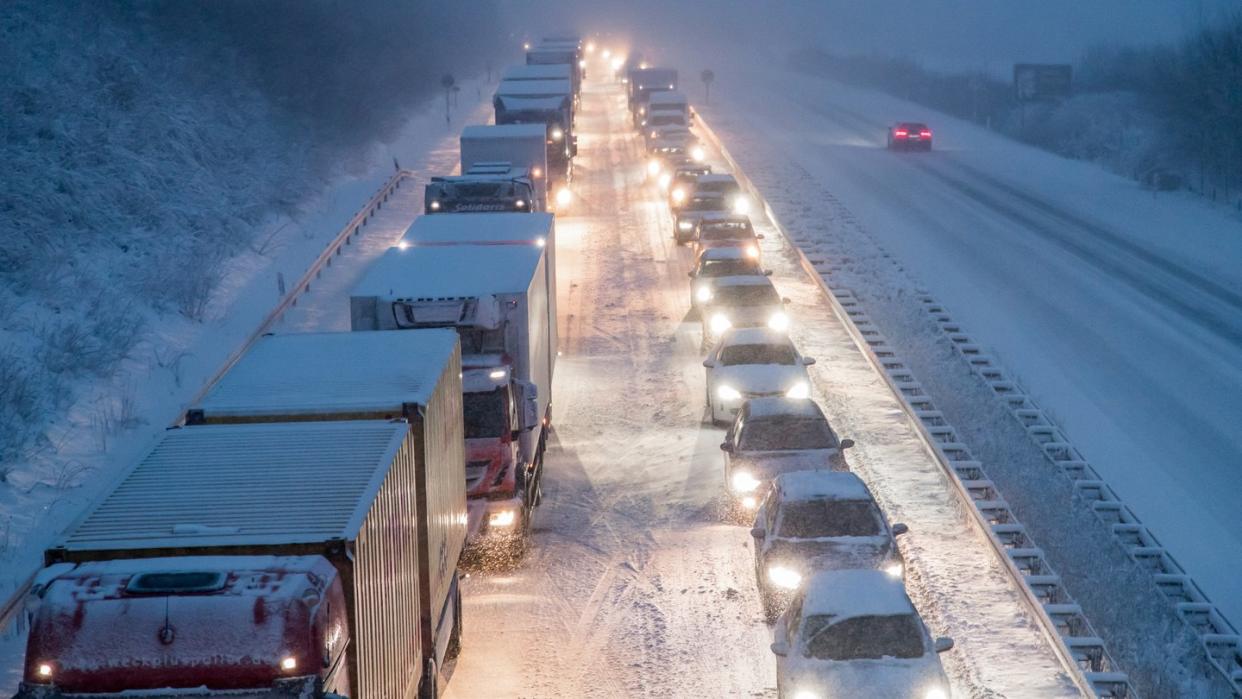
[1081, 652]
[16, 602]
[1219, 638]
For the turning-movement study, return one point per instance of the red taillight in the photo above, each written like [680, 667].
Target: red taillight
[900, 134]
[924, 134]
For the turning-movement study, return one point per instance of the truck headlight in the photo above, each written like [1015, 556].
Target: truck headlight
[520, 204]
[435, 205]
[679, 195]
[752, 251]
[779, 322]
[894, 569]
[653, 167]
[45, 671]
[727, 392]
[664, 180]
[799, 390]
[684, 225]
[564, 197]
[558, 133]
[785, 578]
[503, 518]
[741, 205]
[743, 482]
[720, 323]
[703, 293]
[289, 663]
[698, 153]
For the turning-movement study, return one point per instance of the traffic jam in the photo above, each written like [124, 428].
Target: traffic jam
[306, 530]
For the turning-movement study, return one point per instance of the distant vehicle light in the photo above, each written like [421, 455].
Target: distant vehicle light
[752, 251]
[564, 197]
[779, 322]
[679, 195]
[670, 87]
[741, 205]
[45, 670]
[664, 180]
[643, 66]
[901, 134]
[590, 48]
[698, 153]
[558, 133]
[720, 323]
[744, 482]
[653, 167]
[520, 203]
[435, 205]
[497, 374]
[703, 293]
[289, 663]
[582, 64]
[617, 63]
[925, 134]
[541, 242]
[526, 46]
[606, 53]
[536, 172]
[684, 225]
[749, 502]
[403, 244]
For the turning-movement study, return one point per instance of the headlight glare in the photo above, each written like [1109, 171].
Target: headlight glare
[503, 518]
[806, 694]
[435, 205]
[684, 225]
[936, 693]
[698, 153]
[720, 323]
[779, 322]
[558, 133]
[679, 195]
[893, 570]
[752, 251]
[743, 482]
[741, 205]
[665, 178]
[726, 392]
[799, 390]
[653, 167]
[785, 578]
[703, 293]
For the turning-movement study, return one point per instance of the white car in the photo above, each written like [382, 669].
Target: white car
[818, 520]
[854, 633]
[744, 301]
[718, 262]
[771, 436]
[753, 363]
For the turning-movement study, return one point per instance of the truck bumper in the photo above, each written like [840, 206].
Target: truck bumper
[500, 523]
[293, 688]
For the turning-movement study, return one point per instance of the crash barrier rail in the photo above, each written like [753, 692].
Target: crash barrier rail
[1080, 651]
[1219, 638]
[354, 228]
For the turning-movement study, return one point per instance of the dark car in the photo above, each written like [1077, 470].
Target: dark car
[909, 135]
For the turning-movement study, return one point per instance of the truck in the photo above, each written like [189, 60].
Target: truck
[545, 102]
[643, 83]
[524, 146]
[558, 53]
[501, 299]
[667, 108]
[486, 186]
[269, 560]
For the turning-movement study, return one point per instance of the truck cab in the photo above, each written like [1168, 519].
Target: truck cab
[492, 186]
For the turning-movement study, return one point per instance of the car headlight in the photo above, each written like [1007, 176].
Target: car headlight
[741, 205]
[684, 225]
[558, 133]
[503, 518]
[653, 167]
[786, 578]
[698, 153]
[743, 482]
[936, 693]
[779, 322]
[720, 323]
[727, 392]
[435, 206]
[519, 204]
[703, 293]
[45, 671]
[894, 569]
[679, 195]
[653, 133]
[564, 197]
[665, 178]
[752, 250]
[799, 390]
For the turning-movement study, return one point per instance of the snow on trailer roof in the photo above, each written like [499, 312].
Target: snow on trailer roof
[667, 97]
[844, 594]
[821, 485]
[319, 373]
[505, 131]
[518, 104]
[538, 71]
[783, 407]
[480, 228]
[245, 485]
[450, 271]
[533, 88]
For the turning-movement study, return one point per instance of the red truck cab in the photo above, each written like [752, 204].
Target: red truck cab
[276, 624]
[499, 508]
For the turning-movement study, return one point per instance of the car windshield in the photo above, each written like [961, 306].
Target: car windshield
[725, 268]
[766, 434]
[747, 295]
[705, 204]
[862, 638]
[726, 231]
[735, 355]
[817, 519]
[486, 413]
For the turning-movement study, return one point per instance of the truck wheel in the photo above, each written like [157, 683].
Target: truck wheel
[454, 644]
[429, 688]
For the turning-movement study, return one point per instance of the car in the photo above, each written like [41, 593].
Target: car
[751, 363]
[714, 230]
[725, 186]
[681, 180]
[813, 520]
[775, 435]
[909, 135]
[717, 262]
[743, 301]
[687, 215]
[854, 633]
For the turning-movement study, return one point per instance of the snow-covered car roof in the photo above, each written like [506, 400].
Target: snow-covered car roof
[543, 71]
[753, 336]
[504, 131]
[743, 280]
[821, 485]
[283, 483]
[333, 373]
[782, 407]
[451, 271]
[723, 216]
[844, 594]
[533, 88]
[668, 97]
[716, 177]
[480, 228]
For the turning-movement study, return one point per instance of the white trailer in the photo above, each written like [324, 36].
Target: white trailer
[521, 145]
[501, 299]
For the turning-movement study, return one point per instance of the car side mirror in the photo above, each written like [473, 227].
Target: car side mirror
[781, 649]
[846, 443]
[942, 644]
[899, 529]
[808, 361]
[758, 532]
[709, 362]
[767, 272]
[759, 236]
[786, 300]
[725, 446]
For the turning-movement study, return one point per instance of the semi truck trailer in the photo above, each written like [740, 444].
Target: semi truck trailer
[524, 146]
